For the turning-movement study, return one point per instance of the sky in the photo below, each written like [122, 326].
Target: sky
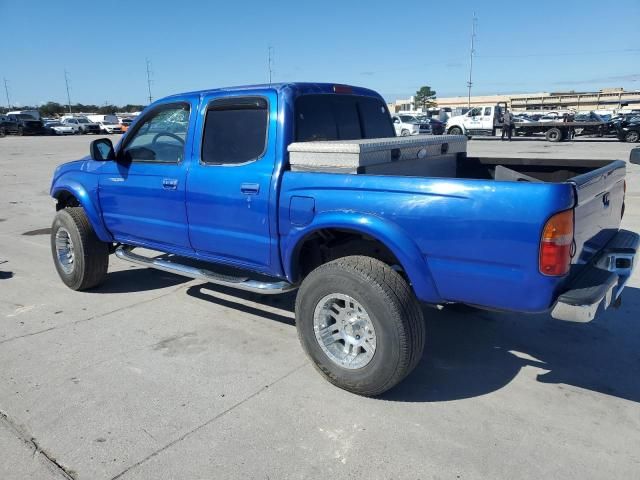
[392, 46]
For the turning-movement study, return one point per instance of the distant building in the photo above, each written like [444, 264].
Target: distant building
[605, 99]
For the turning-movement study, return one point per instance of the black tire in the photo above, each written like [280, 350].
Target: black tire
[405, 133]
[554, 135]
[2, 132]
[90, 255]
[20, 132]
[632, 137]
[392, 308]
[455, 131]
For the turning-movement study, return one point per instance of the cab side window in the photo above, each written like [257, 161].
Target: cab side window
[161, 137]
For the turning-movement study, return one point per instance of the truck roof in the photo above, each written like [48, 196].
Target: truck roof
[299, 87]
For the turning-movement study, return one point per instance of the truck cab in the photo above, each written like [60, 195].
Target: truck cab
[480, 120]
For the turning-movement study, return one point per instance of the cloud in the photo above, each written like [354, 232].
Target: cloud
[632, 77]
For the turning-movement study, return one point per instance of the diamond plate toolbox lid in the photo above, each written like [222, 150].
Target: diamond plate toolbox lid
[353, 154]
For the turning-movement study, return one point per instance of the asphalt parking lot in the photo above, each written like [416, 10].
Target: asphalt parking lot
[153, 376]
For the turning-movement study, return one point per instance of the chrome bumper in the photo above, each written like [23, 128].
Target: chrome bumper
[601, 283]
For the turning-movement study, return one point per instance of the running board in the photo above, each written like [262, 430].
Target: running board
[241, 283]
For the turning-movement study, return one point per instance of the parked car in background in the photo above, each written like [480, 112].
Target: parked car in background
[628, 129]
[22, 124]
[34, 114]
[437, 127]
[108, 123]
[405, 125]
[124, 123]
[58, 128]
[81, 125]
[550, 117]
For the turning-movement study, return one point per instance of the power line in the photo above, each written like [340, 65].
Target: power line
[66, 81]
[472, 51]
[6, 91]
[149, 80]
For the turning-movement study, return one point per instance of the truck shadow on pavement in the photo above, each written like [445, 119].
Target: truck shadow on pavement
[475, 353]
[470, 352]
[138, 280]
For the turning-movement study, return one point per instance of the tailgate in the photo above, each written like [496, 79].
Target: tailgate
[599, 208]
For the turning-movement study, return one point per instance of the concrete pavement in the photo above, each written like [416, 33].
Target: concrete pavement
[155, 376]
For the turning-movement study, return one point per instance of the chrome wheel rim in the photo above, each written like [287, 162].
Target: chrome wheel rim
[344, 331]
[64, 250]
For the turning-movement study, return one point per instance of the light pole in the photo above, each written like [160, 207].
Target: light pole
[66, 81]
[474, 23]
[6, 91]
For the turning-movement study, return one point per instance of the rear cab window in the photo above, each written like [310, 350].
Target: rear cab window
[321, 117]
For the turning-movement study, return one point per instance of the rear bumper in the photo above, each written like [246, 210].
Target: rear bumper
[601, 282]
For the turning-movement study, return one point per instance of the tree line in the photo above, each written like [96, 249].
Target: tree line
[55, 109]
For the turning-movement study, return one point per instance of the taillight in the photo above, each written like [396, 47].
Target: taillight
[556, 244]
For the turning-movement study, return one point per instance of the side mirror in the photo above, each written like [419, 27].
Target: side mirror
[634, 156]
[102, 150]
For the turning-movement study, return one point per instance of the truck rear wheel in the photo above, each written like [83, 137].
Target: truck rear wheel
[81, 259]
[455, 131]
[360, 324]
[554, 135]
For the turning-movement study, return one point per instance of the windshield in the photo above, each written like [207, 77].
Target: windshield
[83, 120]
[341, 117]
[24, 116]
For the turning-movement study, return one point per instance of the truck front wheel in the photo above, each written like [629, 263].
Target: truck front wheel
[455, 131]
[360, 324]
[81, 259]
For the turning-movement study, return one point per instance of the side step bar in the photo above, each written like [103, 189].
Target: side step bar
[241, 283]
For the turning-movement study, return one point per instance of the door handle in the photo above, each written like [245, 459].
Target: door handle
[169, 183]
[250, 188]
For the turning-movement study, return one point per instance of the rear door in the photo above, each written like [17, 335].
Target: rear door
[487, 118]
[142, 194]
[231, 178]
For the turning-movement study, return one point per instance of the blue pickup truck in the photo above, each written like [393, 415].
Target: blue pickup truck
[206, 179]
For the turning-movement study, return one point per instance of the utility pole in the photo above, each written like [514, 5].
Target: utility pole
[6, 90]
[66, 81]
[270, 62]
[149, 80]
[474, 23]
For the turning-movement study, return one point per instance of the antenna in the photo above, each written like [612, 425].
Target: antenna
[149, 80]
[66, 81]
[474, 24]
[6, 90]
[270, 61]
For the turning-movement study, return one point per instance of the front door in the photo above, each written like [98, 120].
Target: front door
[142, 193]
[231, 200]
[473, 120]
